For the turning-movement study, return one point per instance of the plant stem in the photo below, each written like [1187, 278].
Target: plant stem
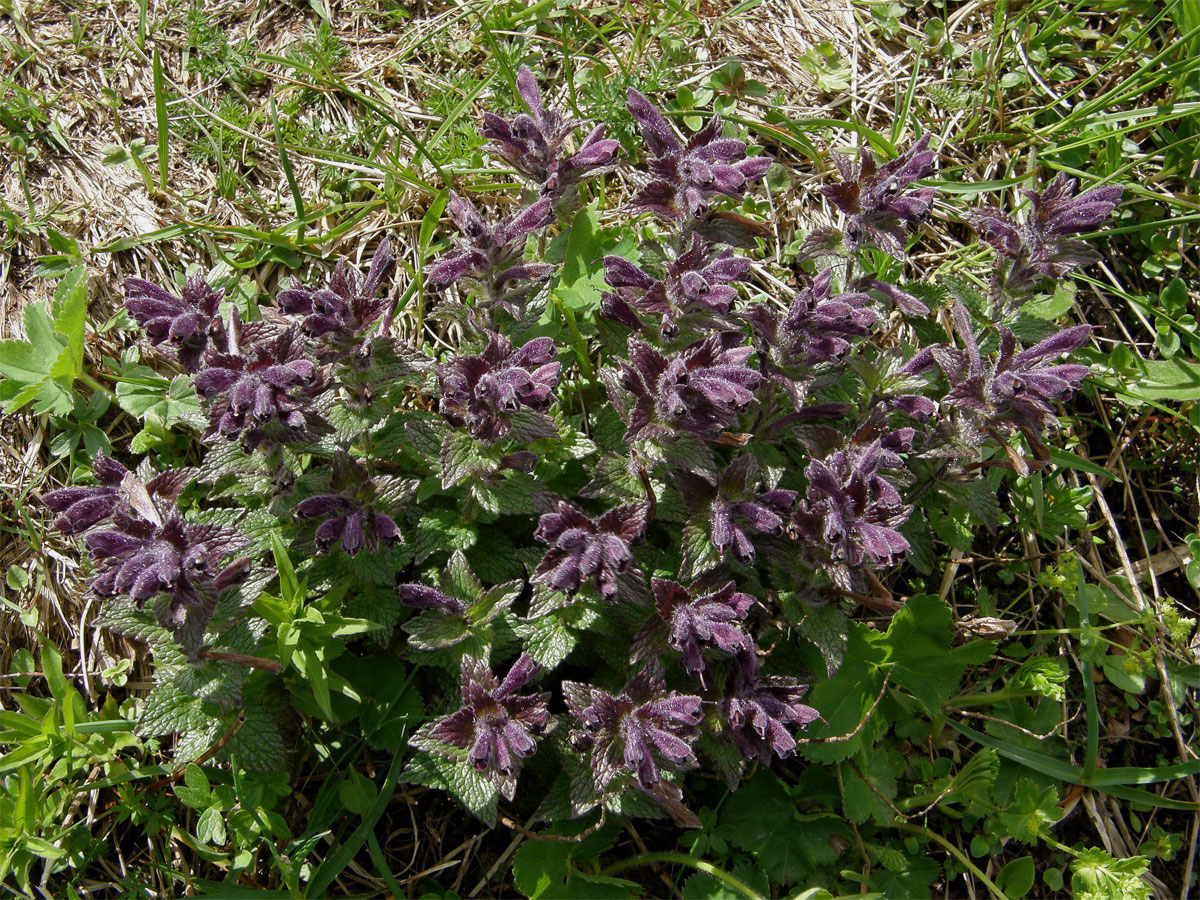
[684, 860]
[962, 858]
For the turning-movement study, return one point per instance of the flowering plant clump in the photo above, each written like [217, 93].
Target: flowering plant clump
[627, 460]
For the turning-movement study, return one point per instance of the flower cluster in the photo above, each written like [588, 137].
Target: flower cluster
[1042, 246]
[339, 313]
[535, 144]
[483, 392]
[687, 174]
[497, 727]
[659, 472]
[143, 548]
[581, 548]
[694, 293]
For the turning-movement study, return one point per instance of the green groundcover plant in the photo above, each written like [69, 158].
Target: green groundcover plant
[607, 514]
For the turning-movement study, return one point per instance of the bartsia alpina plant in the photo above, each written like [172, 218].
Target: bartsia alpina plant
[629, 458]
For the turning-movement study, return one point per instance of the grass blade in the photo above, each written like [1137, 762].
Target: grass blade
[285, 161]
[160, 115]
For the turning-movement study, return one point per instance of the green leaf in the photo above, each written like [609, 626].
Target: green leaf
[1031, 810]
[1016, 879]
[977, 497]
[919, 642]
[459, 581]
[1097, 876]
[844, 699]
[827, 629]
[470, 788]
[195, 790]
[210, 828]
[289, 586]
[548, 639]
[699, 554]
[69, 311]
[1064, 459]
[23, 362]
[1171, 379]
[434, 630]
[442, 531]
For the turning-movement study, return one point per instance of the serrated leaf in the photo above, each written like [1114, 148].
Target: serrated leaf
[548, 640]
[258, 744]
[977, 497]
[473, 790]
[919, 644]
[699, 554]
[493, 601]
[528, 426]
[459, 581]
[442, 531]
[434, 630]
[461, 456]
[827, 629]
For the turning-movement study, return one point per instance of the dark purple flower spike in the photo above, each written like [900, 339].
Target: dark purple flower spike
[687, 174]
[849, 519]
[734, 510]
[498, 728]
[696, 622]
[490, 255]
[182, 323]
[641, 731]
[1012, 389]
[877, 200]
[338, 314]
[352, 516]
[536, 144]
[1041, 246]
[761, 710]
[260, 394]
[817, 328]
[695, 291]
[702, 389]
[585, 549]
[483, 392]
[141, 545]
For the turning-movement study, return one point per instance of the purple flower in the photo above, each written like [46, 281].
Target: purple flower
[491, 255]
[694, 623]
[817, 328]
[146, 548]
[482, 392]
[850, 515]
[695, 290]
[759, 710]
[582, 548]
[1012, 389]
[260, 394]
[686, 175]
[640, 731]
[497, 728]
[875, 198]
[183, 322]
[701, 389]
[1040, 247]
[338, 313]
[535, 144]
[733, 509]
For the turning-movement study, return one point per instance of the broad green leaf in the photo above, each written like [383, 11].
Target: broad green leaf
[210, 828]
[919, 643]
[1031, 811]
[70, 312]
[1168, 379]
